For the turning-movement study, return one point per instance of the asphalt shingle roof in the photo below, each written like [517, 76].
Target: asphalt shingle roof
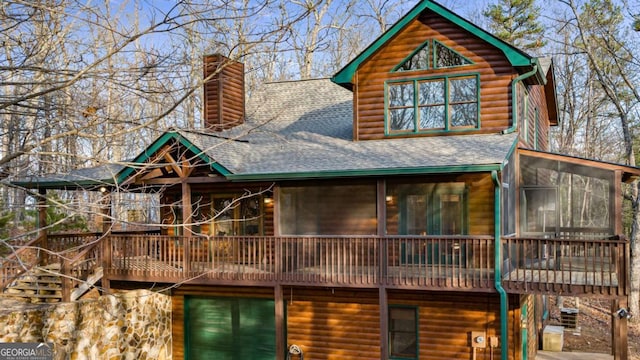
[306, 127]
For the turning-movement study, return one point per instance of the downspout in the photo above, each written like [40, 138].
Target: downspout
[514, 100]
[497, 278]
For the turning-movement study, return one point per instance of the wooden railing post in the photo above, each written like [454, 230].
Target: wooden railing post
[278, 258]
[66, 282]
[106, 238]
[106, 259]
[186, 248]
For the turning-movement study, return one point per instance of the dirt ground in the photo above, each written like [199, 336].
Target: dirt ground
[594, 327]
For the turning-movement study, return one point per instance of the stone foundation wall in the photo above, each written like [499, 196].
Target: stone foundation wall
[131, 325]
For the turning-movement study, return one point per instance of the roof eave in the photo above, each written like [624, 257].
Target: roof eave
[331, 174]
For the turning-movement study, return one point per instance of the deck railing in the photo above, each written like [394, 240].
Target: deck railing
[595, 265]
[566, 266]
[453, 262]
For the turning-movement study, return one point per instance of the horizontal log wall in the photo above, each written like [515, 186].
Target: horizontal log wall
[447, 319]
[324, 323]
[333, 323]
[536, 119]
[495, 71]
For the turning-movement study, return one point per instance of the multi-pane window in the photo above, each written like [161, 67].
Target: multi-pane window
[433, 104]
[403, 333]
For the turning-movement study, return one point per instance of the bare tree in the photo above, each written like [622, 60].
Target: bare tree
[612, 57]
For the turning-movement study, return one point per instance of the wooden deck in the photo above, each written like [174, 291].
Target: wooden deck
[566, 266]
[580, 267]
[548, 266]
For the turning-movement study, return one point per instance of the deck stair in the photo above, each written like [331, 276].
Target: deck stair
[43, 284]
[39, 285]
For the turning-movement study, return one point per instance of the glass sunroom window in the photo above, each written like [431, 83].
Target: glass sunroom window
[433, 104]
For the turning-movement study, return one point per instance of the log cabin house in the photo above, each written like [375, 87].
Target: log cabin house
[407, 208]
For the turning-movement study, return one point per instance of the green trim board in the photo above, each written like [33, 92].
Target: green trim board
[365, 172]
[69, 185]
[446, 103]
[515, 56]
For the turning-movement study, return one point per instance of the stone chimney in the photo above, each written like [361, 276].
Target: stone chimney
[223, 93]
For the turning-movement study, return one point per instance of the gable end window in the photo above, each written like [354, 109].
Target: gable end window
[431, 55]
[444, 57]
[418, 60]
[423, 105]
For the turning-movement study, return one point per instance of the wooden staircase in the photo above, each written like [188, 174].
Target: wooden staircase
[43, 284]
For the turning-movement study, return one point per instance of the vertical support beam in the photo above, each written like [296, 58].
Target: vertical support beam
[619, 330]
[186, 208]
[43, 258]
[518, 185]
[381, 207]
[281, 340]
[276, 210]
[67, 284]
[186, 225]
[616, 202]
[384, 322]
[106, 232]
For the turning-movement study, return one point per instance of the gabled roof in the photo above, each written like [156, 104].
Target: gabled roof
[164, 139]
[303, 129]
[286, 136]
[515, 56]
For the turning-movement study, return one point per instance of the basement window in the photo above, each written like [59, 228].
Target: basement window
[403, 332]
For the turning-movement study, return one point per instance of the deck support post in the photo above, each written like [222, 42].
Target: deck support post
[106, 242]
[42, 226]
[186, 225]
[384, 322]
[619, 341]
[281, 340]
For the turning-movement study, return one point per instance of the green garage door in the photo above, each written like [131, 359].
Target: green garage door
[229, 328]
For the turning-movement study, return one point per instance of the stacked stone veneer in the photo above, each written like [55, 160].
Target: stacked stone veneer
[131, 325]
